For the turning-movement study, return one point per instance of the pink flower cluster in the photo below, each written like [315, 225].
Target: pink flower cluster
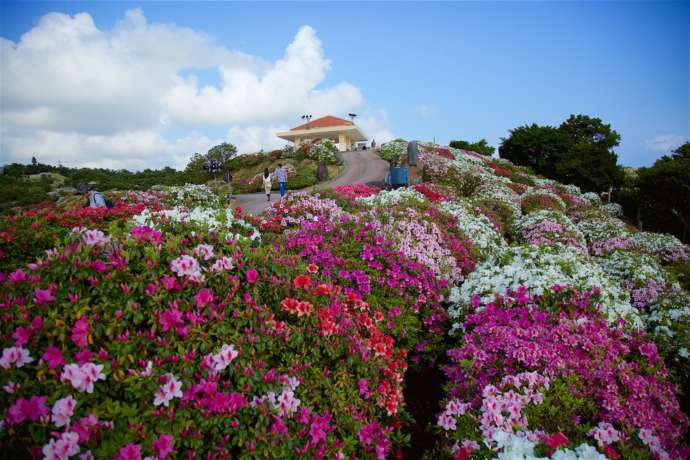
[223, 358]
[171, 388]
[454, 408]
[605, 434]
[654, 444]
[188, 266]
[603, 247]
[95, 238]
[62, 448]
[63, 409]
[536, 334]
[82, 377]
[15, 355]
[502, 406]
[356, 191]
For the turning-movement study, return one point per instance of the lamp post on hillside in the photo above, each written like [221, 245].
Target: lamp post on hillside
[352, 116]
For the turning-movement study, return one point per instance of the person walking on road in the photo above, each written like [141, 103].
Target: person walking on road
[281, 177]
[268, 183]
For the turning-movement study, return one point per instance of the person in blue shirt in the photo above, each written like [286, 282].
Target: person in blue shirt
[280, 174]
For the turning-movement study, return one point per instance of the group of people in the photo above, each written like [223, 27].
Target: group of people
[280, 174]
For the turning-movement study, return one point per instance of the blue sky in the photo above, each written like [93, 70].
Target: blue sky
[416, 70]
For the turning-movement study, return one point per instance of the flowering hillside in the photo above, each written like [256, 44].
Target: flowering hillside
[174, 327]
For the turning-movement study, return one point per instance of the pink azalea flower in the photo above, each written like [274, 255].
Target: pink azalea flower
[80, 332]
[11, 387]
[32, 409]
[129, 452]
[252, 276]
[83, 377]
[62, 448]
[95, 238]
[15, 355]
[223, 359]
[21, 336]
[43, 296]
[63, 410]
[172, 388]
[163, 445]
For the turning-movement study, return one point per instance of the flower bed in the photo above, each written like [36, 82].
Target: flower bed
[551, 371]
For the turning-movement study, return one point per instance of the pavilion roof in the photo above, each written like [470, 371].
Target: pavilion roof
[323, 122]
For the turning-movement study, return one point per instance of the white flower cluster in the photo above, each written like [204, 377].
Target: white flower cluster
[539, 268]
[497, 190]
[210, 218]
[189, 194]
[513, 447]
[612, 209]
[476, 226]
[656, 243]
[392, 197]
[596, 228]
[592, 197]
[323, 150]
[629, 267]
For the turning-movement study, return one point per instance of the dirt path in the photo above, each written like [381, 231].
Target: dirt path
[361, 166]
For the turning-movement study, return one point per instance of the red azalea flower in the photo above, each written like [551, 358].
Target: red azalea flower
[611, 453]
[302, 282]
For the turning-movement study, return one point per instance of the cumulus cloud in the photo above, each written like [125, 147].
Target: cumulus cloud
[664, 143]
[129, 96]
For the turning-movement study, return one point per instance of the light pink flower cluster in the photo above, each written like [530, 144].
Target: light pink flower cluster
[83, 377]
[454, 408]
[223, 263]
[603, 247]
[63, 410]
[187, 266]
[62, 448]
[605, 434]
[15, 355]
[95, 238]
[222, 359]
[502, 410]
[286, 403]
[172, 388]
[205, 251]
[654, 444]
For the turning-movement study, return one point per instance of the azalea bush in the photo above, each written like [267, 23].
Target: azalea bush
[393, 151]
[551, 371]
[189, 345]
[323, 150]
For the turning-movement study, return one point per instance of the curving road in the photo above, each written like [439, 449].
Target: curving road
[361, 166]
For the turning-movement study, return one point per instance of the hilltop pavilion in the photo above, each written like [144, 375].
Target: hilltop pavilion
[345, 133]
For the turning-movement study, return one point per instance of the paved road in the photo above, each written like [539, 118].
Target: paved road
[361, 166]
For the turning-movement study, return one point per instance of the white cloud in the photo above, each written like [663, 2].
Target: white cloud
[425, 111]
[664, 143]
[375, 125]
[86, 96]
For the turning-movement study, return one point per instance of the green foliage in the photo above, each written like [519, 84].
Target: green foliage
[578, 152]
[664, 194]
[14, 189]
[482, 146]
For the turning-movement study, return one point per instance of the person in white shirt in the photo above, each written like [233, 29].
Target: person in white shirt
[268, 183]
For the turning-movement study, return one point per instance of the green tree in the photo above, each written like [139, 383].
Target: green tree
[534, 146]
[222, 152]
[482, 146]
[664, 193]
[589, 160]
[579, 151]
